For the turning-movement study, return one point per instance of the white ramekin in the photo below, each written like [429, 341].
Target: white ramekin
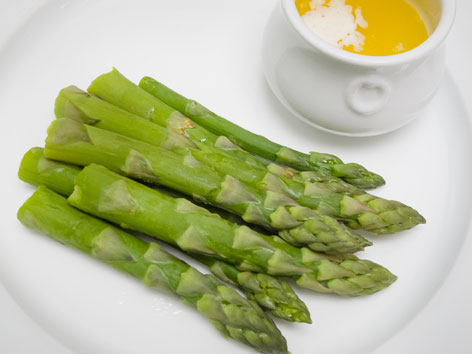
[352, 94]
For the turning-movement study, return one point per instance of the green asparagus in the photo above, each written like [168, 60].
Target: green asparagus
[259, 145]
[273, 294]
[118, 199]
[270, 293]
[72, 142]
[267, 208]
[361, 211]
[116, 89]
[113, 87]
[73, 103]
[362, 269]
[233, 315]
[83, 107]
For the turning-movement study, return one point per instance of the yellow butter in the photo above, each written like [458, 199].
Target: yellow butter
[368, 27]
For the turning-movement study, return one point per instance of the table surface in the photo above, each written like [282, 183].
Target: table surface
[438, 328]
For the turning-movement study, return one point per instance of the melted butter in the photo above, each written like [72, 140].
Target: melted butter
[368, 27]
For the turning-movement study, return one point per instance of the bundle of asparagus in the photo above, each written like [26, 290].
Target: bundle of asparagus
[111, 146]
[272, 294]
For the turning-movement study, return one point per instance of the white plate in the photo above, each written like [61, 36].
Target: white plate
[209, 50]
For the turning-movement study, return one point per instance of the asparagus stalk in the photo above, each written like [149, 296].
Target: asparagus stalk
[83, 107]
[272, 294]
[233, 315]
[259, 145]
[118, 199]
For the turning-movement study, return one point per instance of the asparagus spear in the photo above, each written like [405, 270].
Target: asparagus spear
[118, 199]
[233, 315]
[259, 145]
[272, 294]
[83, 107]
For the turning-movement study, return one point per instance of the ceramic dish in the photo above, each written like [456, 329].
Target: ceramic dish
[347, 93]
[92, 309]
